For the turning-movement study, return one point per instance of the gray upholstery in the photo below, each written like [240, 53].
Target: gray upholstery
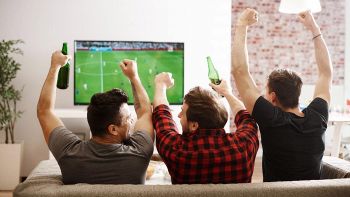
[45, 180]
[335, 168]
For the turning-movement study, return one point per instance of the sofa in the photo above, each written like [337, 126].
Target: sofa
[45, 180]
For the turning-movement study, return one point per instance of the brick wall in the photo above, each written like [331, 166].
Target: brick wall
[280, 40]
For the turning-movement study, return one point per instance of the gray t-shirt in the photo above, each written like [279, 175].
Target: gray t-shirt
[93, 163]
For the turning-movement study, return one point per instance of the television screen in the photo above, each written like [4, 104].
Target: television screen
[96, 67]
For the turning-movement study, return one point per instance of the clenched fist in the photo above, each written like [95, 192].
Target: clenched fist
[309, 22]
[129, 68]
[223, 88]
[58, 59]
[164, 79]
[248, 17]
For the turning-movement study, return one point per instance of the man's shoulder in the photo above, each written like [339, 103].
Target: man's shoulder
[142, 141]
[266, 114]
[60, 129]
[261, 104]
[58, 133]
[318, 106]
[319, 101]
[140, 135]
[161, 108]
[62, 141]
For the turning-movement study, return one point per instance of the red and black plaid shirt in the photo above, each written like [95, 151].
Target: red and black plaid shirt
[207, 155]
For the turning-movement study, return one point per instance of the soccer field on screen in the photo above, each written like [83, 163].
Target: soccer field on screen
[99, 71]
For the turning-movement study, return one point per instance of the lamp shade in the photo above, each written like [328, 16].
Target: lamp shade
[297, 6]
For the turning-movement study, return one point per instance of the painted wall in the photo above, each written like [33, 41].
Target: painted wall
[204, 26]
[347, 51]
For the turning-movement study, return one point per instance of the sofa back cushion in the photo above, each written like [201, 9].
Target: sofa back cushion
[335, 168]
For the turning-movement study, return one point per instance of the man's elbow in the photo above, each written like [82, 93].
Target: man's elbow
[330, 72]
[147, 111]
[144, 111]
[41, 111]
[325, 68]
[326, 73]
[239, 72]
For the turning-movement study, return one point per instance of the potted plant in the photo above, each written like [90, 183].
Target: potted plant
[10, 152]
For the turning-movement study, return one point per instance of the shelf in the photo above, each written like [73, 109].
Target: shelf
[70, 113]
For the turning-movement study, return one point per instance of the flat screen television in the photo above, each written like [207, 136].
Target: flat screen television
[96, 67]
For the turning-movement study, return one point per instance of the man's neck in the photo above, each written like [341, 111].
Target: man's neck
[105, 140]
[295, 111]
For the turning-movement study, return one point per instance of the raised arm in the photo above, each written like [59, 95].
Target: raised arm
[223, 89]
[240, 62]
[46, 104]
[323, 60]
[246, 125]
[142, 103]
[162, 81]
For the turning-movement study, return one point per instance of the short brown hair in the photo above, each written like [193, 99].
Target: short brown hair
[104, 110]
[287, 86]
[205, 107]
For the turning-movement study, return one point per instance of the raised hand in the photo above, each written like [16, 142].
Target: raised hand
[223, 88]
[129, 68]
[309, 22]
[248, 17]
[164, 79]
[58, 59]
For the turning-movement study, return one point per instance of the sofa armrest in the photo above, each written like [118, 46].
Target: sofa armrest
[334, 168]
[45, 175]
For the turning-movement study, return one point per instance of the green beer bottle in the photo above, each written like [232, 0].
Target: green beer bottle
[63, 74]
[213, 73]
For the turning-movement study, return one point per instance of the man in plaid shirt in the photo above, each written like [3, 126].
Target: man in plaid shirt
[204, 153]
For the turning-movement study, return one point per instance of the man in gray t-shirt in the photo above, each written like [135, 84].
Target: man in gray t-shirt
[112, 155]
[91, 162]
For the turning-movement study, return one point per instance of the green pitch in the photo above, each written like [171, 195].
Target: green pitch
[99, 72]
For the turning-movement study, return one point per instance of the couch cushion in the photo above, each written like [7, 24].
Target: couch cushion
[46, 180]
[335, 168]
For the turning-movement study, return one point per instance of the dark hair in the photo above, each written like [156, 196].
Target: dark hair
[104, 110]
[205, 107]
[287, 86]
